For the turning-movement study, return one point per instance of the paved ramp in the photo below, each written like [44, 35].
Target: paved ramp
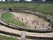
[6, 29]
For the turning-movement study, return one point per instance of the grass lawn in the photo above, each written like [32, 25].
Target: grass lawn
[47, 8]
[8, 17]
[7, 38]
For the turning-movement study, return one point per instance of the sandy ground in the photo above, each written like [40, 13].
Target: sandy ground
[32, 21]
[9, 36]
[6, 29]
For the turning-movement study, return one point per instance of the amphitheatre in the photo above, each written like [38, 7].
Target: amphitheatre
[25, 24]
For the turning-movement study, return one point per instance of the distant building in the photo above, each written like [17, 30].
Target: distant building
[43, 0]
[26, 0]
[2, 0]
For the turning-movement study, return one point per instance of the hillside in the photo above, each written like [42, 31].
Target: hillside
[47, 8]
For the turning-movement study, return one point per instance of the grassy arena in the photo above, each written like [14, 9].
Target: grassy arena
[43, 8]
[8, 18]
[7, 38]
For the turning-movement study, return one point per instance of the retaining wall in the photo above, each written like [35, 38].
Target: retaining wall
[26, 29]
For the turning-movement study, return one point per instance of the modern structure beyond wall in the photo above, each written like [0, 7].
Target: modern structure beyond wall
[24, 0]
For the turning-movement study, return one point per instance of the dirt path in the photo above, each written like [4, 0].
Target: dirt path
[3, 28]
[33, 21]
[9, 36]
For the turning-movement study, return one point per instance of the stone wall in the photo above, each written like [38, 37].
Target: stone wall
[26, 29]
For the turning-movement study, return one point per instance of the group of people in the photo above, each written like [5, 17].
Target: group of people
[35, 23]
